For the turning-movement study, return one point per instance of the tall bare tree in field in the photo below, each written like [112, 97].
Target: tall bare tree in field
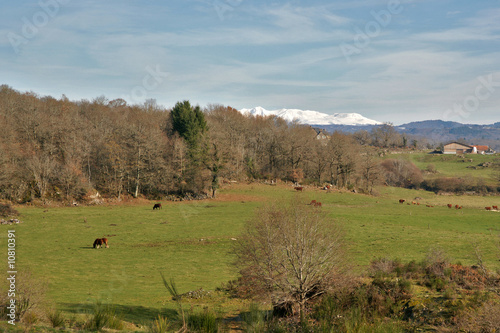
[369, 168]
[291, 252]
[342, 151]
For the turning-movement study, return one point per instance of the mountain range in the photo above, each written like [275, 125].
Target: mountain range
[313, 117]
[434, 132]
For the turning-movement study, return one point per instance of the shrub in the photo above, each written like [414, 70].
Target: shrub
[458, 185]
[431, 168]
[56, 318]
[484, 319]
[436, 262]
[159, 325]
[103, 316]
[6, 210]
[30, 295]
[206, 321]
[255, 319]
[402, 173]
[30, 318]
[384, 267]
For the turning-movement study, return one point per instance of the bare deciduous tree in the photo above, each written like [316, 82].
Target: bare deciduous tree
[292, 253]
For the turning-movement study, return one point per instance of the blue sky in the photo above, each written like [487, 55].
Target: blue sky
[392, 60]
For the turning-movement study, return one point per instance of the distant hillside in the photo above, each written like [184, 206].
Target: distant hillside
[431, 124]
[437, 132]
[445, 131]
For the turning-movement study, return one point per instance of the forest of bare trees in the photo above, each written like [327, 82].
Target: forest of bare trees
[62, 150]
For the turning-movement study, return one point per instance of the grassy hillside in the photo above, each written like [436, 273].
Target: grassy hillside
[453, 165]
[191, 242]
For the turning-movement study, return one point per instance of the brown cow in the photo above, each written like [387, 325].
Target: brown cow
[401, 200]
[313, 202]
[157, 206]
[298, 188]
[450, 205]
[487, 208]
[100, 242]
[494, 207]
[317, 204]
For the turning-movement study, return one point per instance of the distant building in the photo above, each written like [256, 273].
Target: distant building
[321, 134]
[460, 148]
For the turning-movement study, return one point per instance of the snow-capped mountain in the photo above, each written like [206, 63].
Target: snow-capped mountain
[313, 117]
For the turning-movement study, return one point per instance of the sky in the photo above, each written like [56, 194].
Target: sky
[392, 60]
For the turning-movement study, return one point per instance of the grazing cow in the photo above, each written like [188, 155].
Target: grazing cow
[298, 188]
[413, 203]
[487, 208]
[100, 242]
[494, 207]
[157, 206]
[313, 202]
[457, 206]
[97, 243]
[450, 205]
[401, 200]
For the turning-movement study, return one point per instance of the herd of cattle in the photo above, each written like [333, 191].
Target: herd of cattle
[401, 201]
[101, 242]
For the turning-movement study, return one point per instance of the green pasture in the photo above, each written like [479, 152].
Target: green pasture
[191, 241]
[453, 165]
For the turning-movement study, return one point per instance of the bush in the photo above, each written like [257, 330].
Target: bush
[6, 210]
[206, 321]
[384, 267]
[484, 319]
[458, 185]
[402, 173]
[159, 325]
[255, 319]
[30, 295]
[103, 316]
[56, 318]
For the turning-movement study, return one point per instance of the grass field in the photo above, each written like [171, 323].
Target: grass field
[191, 242]
[453, 165]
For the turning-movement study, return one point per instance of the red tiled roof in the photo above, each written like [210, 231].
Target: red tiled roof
[481, 148]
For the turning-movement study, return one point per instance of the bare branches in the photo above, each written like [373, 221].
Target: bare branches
[293, 251]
